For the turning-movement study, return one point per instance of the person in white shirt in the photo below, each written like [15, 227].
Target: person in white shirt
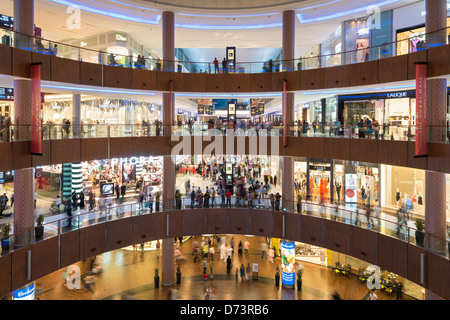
[211, 252]
[58, 202]
[372, 295]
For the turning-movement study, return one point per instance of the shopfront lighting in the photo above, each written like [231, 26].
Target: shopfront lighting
[97, 90]
[228, 27]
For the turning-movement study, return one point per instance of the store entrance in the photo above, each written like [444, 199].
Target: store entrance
[319, 181]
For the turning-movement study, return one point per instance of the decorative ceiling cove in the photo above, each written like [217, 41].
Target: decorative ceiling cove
[225, 4]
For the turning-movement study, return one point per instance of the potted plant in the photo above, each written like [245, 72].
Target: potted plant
[5, 236]
[277, 276]
[420, 235]
[39, 230]
[179, 273]
[299, 278]
[156, 278]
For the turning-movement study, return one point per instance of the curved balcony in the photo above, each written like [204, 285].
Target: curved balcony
[83, 66]
[392, 246]
[91, 142]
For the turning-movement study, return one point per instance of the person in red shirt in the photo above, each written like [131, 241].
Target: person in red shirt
[216, 65]
[228, 195]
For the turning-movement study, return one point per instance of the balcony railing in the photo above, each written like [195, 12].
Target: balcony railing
[386, 50]
[357, 216]
[383, 132]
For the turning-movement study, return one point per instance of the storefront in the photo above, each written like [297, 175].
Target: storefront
[331, 48]
[323, 111]
[357, 39]
[403, 187]
[338, 181]
[411, 38]
[100, 111]
[395, 112]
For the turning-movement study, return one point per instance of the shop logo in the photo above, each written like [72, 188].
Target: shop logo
[73, 280]
[74, 20]
[258, 143]
[396, 95]
[373, 281]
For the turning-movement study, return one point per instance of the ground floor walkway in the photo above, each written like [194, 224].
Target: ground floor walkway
[128, 274]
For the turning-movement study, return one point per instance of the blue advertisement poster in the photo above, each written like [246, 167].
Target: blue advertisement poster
[25, 293]
[288, 263]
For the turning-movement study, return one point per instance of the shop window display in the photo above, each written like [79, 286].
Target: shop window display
[94, 111]
[403, 187]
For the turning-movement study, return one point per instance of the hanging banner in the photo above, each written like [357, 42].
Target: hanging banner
[421, 110]
[36, 99]
[171, 112]
[284, 114]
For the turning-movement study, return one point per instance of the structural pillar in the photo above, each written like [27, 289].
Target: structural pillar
[168, 49]
[288, 40]
[287, 183]
[288, 51]
[435, 213]
[76, 115]
[23, 178]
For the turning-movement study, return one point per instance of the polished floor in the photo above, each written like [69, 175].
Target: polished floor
[128, 275]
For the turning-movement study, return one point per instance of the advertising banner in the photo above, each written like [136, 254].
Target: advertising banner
[36, 143]
[421, 110]
[25, 293]
[288, 263]
[350, 187]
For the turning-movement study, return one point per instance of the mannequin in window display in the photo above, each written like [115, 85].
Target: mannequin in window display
[338, 190]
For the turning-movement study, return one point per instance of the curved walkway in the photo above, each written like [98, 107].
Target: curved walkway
[129, 275]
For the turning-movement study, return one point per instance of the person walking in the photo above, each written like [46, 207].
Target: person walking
[246, 246]
[228, 195]
[211, 253]
[58, 202]
[204, 265]
[263, 249]
[216, 65]
[242, 272]
[224, 66]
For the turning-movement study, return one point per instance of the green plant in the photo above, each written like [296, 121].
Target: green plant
[300, 273]
[277, 270]
[299, 197]
[419, 224]
[6, 229]
[179, 268]
[40, 220]
[156, 272]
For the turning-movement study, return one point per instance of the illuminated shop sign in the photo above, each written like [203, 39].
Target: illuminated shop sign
[363, 31]
[397, 94]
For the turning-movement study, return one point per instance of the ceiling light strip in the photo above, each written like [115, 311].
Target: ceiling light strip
[343, 13]
[108, 13]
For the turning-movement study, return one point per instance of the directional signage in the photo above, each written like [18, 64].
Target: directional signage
[7, 94]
